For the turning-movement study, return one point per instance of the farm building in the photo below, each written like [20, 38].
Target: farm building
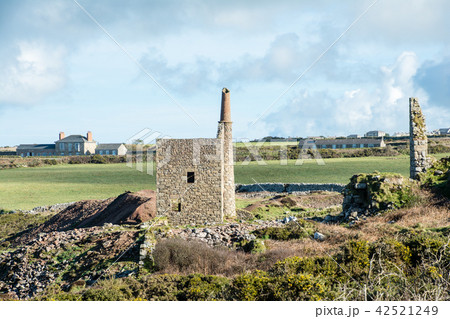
[444, 131]
[375, 134]
[25, 150]
[111, 149]
[343, 143]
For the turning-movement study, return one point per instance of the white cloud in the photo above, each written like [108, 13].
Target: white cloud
[383, 105]
[37, 71]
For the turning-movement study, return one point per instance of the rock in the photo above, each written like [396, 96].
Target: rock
[319, 236]
[438, 172]
[360, 186]
[202, 235]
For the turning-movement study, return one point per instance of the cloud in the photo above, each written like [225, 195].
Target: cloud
[434, 78]
[382, 106]
[38, 70]
[183, 78]
[283, 61]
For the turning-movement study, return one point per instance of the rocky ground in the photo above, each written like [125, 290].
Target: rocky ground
[96, 239]
[226, 235]
[76, 246]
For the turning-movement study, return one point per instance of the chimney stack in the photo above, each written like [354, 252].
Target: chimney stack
[89, 136]
[61, 135]
[225, 133]
[225, 114]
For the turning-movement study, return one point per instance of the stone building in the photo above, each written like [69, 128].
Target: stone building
[195, 177]
[75, 144]
[26, 150]
[418, 141]
[375, 134]
[111, 149]
[344, 143]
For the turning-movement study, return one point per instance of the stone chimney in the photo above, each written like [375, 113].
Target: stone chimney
[61, 135]
[89, 136]
[225, 113]
[225, 133]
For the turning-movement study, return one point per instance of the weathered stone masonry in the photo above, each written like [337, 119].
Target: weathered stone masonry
[195, 177]
[419, 161]
[189, 201]
[225, 134]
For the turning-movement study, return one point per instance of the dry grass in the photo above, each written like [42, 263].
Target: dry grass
[177, 256]
[430, 212]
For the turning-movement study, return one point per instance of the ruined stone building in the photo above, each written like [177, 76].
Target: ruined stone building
[418, 141]
[195, 177]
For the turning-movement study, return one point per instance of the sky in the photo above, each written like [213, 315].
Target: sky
[294, 68]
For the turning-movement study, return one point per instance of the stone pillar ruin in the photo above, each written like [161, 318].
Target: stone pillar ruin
[225, 133]
[418, 141]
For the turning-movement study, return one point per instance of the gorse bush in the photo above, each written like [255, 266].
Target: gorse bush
[414, 266]
[293, 230]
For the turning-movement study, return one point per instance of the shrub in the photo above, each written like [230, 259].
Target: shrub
[199, 287]
[356, 257]
[297, 288]
[318, 266]
[50, 162]
[293, 230]
[157, 288]
[181, 256]
[254, 246]
[97, 159]
[251, 286]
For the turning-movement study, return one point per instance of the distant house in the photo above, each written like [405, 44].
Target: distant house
[343, 143]
[71, 145]
[354, 136]
[444, 131]
[75, 144]
[375, 134]
[111, 149]
[400, 134]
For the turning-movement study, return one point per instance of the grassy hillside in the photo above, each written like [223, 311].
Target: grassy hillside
[25, 188]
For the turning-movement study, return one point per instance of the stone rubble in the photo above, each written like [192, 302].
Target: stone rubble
[225, 235]
[29, 269]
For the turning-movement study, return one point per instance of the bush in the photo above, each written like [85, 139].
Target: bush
[251, 286]
[181, 256]
[97, 159]
[255, 246]
[356, 256]
[199, 287]
[50, 162]
[293, 230]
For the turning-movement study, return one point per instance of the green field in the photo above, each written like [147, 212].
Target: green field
[25, 188]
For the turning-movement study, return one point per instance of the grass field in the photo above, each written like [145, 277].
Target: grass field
[25, 188]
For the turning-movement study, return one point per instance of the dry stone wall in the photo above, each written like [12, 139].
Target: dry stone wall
[289, 188]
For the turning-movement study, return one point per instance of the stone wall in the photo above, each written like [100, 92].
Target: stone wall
[183, 202]
[369, 194]
[288, 188]
[419, 161]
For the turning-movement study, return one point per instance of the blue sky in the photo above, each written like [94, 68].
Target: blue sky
[60, 72]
